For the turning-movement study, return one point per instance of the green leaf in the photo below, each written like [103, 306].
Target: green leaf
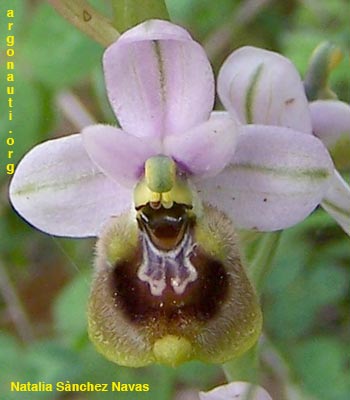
[9, 359]
[99, 89]
[306, 277]
[57, 53]
[27, 115]
[51, 362]
[20, 9]
[70, 310]
[199, 374]
[328, 283]
[98, 369]
[319, 363]
[202, 16]
[290, 259]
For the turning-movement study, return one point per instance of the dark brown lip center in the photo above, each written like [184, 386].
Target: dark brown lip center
[200, 300]
[171, 311]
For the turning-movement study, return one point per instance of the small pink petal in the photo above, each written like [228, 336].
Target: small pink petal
[236, 391]
[337, 202]
[277, 178]
[263, 87]
[119, 155]
[206, 149]
[330, 119]
[158, 80]
[57, 189]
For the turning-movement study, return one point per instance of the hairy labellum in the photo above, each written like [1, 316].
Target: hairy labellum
[170, 287]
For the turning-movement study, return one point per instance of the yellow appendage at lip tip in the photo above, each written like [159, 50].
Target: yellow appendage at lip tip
[172, 350]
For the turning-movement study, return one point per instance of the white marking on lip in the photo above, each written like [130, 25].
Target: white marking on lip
[156, 263]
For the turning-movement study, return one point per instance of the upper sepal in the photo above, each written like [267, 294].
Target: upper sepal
[159, 81]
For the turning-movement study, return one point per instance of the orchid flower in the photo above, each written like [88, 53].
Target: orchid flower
[236, 391]
[264, 90]
[162, 192]
[161, 87]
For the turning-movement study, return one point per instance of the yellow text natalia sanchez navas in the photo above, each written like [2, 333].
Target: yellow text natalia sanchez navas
[10, 88]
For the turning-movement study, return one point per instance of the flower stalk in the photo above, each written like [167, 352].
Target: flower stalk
[244, 368]
[128, 13]
[80, 14]
[262, 261]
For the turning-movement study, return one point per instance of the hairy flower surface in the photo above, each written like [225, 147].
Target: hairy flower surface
[161, 191]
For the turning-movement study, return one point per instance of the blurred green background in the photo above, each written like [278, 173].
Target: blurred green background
[44, 281]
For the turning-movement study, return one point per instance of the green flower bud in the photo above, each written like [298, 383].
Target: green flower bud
[324, 59]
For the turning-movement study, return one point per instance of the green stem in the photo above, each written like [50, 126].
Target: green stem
[244, 368]
[87, 19]
[261, 263]
[128, 13]
[262, 248]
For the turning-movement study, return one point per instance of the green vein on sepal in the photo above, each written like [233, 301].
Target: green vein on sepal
[313, 173]
[161, 68]
[34, 187]
[250, 94]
